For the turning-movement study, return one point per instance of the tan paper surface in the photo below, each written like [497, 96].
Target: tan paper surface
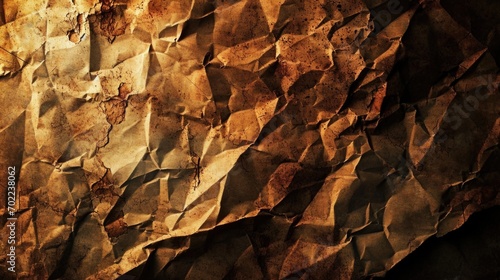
[253, 139]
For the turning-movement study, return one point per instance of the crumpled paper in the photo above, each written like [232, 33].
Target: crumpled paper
[253, 139]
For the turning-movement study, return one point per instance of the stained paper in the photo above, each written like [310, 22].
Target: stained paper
[252, 139]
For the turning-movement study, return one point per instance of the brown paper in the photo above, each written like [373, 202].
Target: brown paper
[244, 139]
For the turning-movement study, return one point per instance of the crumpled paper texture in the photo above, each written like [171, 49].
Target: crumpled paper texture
[252, 139]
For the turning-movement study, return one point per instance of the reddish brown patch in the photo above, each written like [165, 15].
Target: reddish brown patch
[377, 101]
[116, 227]
[103, 188]
[156, 8]
[106, 4]
[124, 90]
[76, 34]
[109, 21]
[73, 36]
[115, 110]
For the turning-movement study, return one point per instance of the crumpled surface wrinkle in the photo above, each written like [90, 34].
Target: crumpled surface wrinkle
[251, 139]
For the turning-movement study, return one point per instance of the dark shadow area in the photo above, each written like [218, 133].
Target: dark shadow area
[470, 252]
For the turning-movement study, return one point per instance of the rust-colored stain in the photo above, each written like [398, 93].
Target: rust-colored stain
[115, 110]
[116, 227]
[109, 21]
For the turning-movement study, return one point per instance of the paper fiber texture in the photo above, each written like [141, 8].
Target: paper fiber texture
[253, 139]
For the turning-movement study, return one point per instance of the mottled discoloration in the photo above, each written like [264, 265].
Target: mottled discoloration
[109, 21]
[116, 227]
